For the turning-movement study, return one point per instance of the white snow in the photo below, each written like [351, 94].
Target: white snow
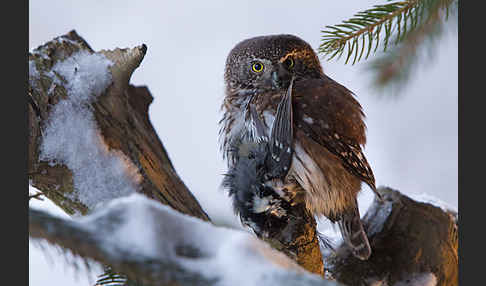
[87, 75]
[71, 136]
[426, 198]
[155, 231]
[135, 228]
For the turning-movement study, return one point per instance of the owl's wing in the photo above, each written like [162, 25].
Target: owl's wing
[328, 113]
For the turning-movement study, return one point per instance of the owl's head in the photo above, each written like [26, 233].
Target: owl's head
[267, 63]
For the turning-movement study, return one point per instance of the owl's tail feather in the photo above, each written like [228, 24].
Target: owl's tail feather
[354, 235]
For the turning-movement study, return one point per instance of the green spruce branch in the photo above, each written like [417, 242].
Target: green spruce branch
[402, 28]
[378, 25]
[419, 46]
[366, 27]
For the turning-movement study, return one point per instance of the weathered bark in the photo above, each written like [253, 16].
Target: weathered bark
[121, 115]
[408, 239]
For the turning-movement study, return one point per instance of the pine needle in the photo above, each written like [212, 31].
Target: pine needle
[396, 20]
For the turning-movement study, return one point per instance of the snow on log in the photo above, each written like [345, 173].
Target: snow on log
[169, 248]
[90, 137]
[414, 242]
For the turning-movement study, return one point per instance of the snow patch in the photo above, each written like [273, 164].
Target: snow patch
[158, 232]
[71, 136]
[133, 229]
[86, 75]
[426, 198]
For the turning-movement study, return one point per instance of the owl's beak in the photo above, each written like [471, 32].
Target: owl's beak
[280, 77]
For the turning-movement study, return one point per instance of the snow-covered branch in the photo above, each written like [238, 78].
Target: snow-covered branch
[152, 243]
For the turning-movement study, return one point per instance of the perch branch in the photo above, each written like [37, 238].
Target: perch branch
[411, 241]
[176, 250]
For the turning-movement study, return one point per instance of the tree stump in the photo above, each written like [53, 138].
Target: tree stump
[413, 243]
[121, 116]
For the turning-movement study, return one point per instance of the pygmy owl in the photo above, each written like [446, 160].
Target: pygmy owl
[327, 164]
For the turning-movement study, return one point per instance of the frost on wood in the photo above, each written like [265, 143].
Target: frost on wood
[169, 247]
[90, 138]
[413, 243]
[72, 138]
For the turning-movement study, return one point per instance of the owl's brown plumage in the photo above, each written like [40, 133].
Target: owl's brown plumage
[328, 164]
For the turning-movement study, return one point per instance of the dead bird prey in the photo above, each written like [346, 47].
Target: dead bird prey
[258, 161]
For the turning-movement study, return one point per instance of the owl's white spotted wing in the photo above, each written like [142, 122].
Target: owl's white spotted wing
[328, 113]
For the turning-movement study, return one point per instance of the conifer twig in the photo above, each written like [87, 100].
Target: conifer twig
[378, 25]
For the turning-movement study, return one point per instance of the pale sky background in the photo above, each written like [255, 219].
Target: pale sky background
[412, 139]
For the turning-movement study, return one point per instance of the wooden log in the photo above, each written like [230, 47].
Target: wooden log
[413, 243]
[175, 250]
[121, 116]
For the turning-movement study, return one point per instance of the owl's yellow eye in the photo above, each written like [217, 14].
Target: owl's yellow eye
[289, 62]
[257, 67]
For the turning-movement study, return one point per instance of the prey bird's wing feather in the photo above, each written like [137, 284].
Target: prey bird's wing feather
[281, 137]
[261, 135]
